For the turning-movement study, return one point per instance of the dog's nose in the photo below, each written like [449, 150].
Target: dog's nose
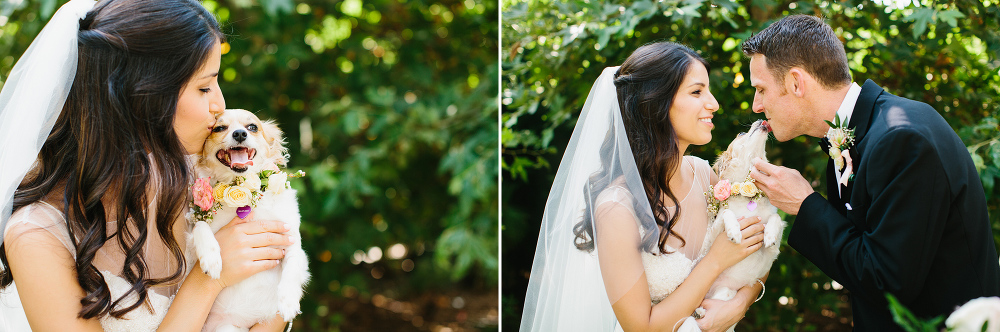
[240, 135]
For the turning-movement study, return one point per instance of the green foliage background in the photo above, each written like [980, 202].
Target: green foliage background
[944, 53]
[390, 106]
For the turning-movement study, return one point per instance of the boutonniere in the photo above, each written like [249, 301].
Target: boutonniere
[718, 195]
[841, 141]
[242, 193]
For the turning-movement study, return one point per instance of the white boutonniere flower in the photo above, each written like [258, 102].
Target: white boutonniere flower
[841, 141]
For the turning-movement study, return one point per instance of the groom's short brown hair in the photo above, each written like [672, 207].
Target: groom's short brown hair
[802, 41]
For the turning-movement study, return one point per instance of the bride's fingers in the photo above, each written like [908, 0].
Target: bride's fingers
[754, 239]
[263, 226]
[749, 221]
[237, 220]
[753, 244]
[267, 239]
[262, 265]
[752, 229]
[262, 254]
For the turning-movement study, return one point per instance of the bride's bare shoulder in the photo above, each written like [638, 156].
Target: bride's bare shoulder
[615, 192]
[39, 223]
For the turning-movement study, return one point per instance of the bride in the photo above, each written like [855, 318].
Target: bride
[622, 240]
[96, 120]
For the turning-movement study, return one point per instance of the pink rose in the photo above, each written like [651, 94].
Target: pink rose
[203, 193]
[722, 190]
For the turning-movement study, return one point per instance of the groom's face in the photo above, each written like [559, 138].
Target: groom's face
[771, 97]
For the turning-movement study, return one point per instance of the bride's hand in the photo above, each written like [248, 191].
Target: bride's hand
[245, 247]
[726, 253]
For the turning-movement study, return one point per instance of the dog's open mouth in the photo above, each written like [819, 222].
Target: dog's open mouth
[237, 158]
[766, 126]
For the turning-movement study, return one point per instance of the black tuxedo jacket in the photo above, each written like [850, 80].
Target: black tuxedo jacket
[917, 224]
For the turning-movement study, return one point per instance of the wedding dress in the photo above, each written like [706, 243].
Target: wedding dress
[581, 269]
[46, 217]
[32, 98]
[664, 272]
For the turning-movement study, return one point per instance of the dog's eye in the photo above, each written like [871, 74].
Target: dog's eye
[740, 134]
[219, 129]
[252, 128]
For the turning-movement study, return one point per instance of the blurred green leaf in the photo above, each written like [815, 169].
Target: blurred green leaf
[921, 17]
[909, 322]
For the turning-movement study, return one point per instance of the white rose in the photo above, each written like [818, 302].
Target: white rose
[276, 183]
[837, 137]
[838, 160]
[251, 182]
[236, 196]
[974, 314]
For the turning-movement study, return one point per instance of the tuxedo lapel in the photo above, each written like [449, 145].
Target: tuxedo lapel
[862, 116]
[831, 188]
[860, 122]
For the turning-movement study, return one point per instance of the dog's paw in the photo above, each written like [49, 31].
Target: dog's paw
[207, 249]
[772, 232]
[699, 312]
[288, 313]
[724, 294]
[211, 264]
[769, 237]
[288, 308]
[733, 230]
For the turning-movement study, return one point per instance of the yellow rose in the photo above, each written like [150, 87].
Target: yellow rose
[220, 191]
[748, 189]
[236, 196]
[251, 182]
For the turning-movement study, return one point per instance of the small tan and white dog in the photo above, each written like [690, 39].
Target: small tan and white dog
[243, 145]
[733, 166]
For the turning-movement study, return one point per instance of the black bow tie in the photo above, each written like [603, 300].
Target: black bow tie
[824, 143]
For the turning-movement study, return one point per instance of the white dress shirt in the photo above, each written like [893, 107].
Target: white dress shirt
[844, 113]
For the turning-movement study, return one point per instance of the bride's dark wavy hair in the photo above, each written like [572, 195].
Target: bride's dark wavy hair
[114, 132]
[646, 85]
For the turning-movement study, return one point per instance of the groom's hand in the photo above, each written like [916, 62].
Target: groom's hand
[720, 315]
[784, 187]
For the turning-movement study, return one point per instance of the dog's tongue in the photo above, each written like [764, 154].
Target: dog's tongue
[239, 158]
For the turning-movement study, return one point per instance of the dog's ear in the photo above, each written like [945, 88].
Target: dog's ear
[275, 143]
[720, 163]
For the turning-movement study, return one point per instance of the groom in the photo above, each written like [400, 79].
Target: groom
[905, 212]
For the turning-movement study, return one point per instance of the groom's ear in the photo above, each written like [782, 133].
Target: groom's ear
[796, 80]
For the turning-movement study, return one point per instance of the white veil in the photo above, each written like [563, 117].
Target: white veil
[30, 102]
[33, 96]
[566, 290]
